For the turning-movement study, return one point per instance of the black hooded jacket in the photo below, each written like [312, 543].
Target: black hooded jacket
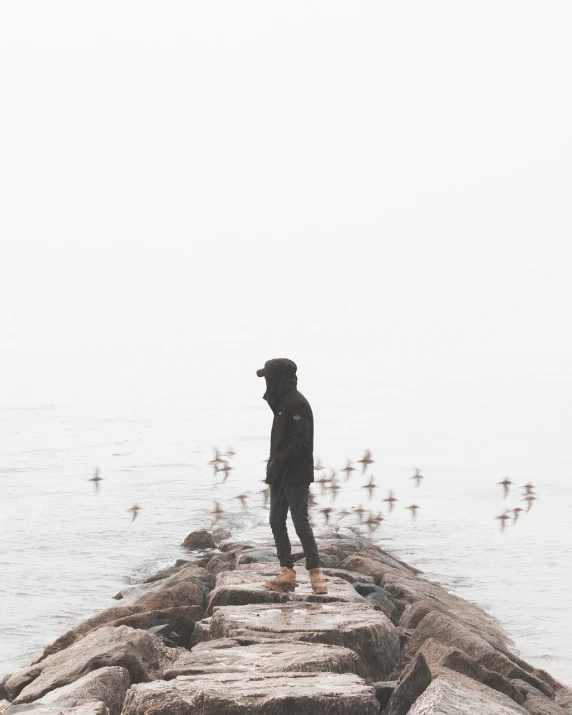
[292, 438]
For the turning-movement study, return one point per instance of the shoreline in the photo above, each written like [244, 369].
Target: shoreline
[204, 635]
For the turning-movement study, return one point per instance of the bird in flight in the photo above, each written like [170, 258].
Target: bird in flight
[227, 469]
[230, 453]
[218, 460]
[334, 488]
[417, 477]
[311, 499]
[360, 511]
[318, 466]
[503, 518]
[370, 486]
[96, 479]
[529, 498]
[242, 499]
[413, 508]
[323, 482]
[326, 511]
[217, 512]
[516, 511]
[348, 469]
[135, 510]
[390, 500]
[528, 488]
[343, 513]
[505, 484]
[365, 461]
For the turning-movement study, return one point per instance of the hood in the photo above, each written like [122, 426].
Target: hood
[281, 379]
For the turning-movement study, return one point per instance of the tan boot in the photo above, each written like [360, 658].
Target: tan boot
[318, 581]
[285, 582]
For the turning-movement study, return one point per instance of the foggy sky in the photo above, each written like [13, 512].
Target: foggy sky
[372, 189]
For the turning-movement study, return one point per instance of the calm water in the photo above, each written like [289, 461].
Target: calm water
[64, 550]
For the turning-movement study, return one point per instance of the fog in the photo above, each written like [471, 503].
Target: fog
[379, 191]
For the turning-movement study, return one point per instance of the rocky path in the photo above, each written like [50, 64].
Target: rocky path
[204, 637]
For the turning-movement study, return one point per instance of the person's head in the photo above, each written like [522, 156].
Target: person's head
[280, 376]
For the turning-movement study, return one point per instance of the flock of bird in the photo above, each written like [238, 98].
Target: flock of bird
[528, 496]
[330, 485]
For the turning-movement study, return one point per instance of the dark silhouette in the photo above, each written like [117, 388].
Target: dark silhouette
[290, 471]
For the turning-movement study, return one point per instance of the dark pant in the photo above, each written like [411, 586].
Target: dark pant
[295, 498]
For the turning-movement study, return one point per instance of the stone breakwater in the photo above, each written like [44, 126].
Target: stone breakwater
[204, 637]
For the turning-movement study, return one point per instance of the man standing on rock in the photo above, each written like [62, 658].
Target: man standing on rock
[289, 472]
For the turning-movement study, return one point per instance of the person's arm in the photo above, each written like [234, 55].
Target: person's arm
[297, 437]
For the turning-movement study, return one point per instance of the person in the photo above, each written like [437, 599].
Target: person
[289, 472]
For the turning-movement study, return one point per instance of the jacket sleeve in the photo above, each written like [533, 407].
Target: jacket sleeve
[297, 436]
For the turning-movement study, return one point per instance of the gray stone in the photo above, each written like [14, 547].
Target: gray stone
[541, 705]
[220, 535]
[349, 576]
[261, 694]
[214, 657]
[455, 694]
[413, 681]
[226, 561]
[350, 625]
[201, 632]
[108, 685]
[92, 707]
[201, 539]
[330, 561]
[246, 586]
[235, 545]
[383, 691]
[143, 655]
[260, 556]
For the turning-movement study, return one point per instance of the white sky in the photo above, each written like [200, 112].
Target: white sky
[190, 188]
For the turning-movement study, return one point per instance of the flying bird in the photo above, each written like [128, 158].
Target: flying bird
[217, 512]
[390, 500]
[365, 461]
[227, 469]
[229, 453]
[528, 488]
[417, 477]
[505, 484]
[334, 488]
[529, 498]
[311, 499]
[516, 511]
[343, 513]
[326, 511]
[318, 466]
[348, 469]
[503, 518]
[370, 486]
[323, 482]
[413, 509]
[359, 510]
[96, 479]
[242, 499]
[135, 510]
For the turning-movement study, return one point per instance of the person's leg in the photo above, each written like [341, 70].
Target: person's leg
[278, 514]
[298, 501]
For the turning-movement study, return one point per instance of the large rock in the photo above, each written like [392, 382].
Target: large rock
[351, 625]
[220, 535]
[157, 601]
[190, 573]
[227, 656]
[454, 694]
[92, 707]
[142, 654]
[246, 585]
[258, 556]
[241, 694]
[540, 705]
[108, 685]
[201, 539]
[414, 680]
[450, 632]
[349, 576]
[225, 561]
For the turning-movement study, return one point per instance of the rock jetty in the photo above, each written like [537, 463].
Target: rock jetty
[203, 637]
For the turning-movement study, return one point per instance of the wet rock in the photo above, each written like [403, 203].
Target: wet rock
[108, 685]
[525, 688]
[455, 694]
[226, 561]
[264, 658]
[234, 545]
[450, 632]
[143, 655]
[142, 613]
[383, 691]
[285, 694]
[257, 556]
[201, 632]
[93, 707]
[192, 573]
[413, 681]
[440, 656]
[364, 565]
[564, 699]
[246, 586]
[162, 574]
[179, 622]
[349, 576]
[3, 693]
[351, 625]
[220, 535]
[4, 705]
[379, 599]
[541, 705]
[201, 539]
[329, 561]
